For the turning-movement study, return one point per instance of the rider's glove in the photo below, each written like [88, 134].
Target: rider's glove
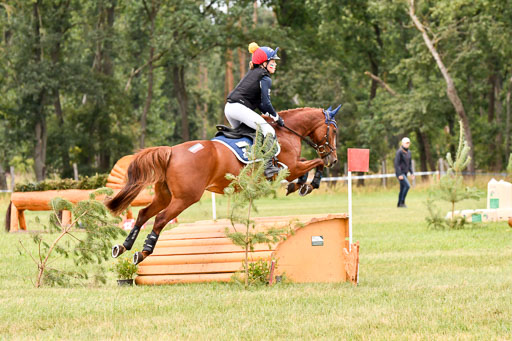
[280, 121]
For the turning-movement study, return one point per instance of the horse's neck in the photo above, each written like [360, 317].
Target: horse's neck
[303, 121]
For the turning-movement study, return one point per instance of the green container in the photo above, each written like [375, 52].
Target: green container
[494, 203]
[476, 218]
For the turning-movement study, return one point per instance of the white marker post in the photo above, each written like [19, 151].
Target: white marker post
[214, 209]
[358, 161]
[349, 211]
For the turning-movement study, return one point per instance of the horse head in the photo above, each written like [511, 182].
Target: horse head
[326, 135]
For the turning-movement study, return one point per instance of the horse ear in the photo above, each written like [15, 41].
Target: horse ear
[330, 108]
[335, 111]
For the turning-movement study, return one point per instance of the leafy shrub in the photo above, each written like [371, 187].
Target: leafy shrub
[85, 182]
[89, 247]
[124, 268]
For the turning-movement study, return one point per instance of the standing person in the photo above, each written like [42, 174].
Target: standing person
[253, 92]
[403, 165]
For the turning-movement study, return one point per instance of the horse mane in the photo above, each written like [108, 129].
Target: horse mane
[292, 111]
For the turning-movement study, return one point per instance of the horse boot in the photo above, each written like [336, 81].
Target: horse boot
[118, 250]
[292, 186]
[149, 245]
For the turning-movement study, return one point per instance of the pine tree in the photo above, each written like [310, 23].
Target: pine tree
[244, 190]
[451, 187]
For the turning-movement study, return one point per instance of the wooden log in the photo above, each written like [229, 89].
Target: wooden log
[40, 201]
[14, 218]
[66, 218]
[175, 279]
[205, 249]
[209, 258]
[21, 218]
[178, 269]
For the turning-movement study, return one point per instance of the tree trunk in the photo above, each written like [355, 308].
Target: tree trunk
[202, 108]
[490, 110]
[241, 63]
[38, 105]
[507, 119]
[63, 141]
[107, 68]
[180, 92]
[3, 180]
[229, 81]
[450, 86]
[498, 166]
[149, 97]
[421, 149]
[255, 13]
[374, 63]
[151, 13]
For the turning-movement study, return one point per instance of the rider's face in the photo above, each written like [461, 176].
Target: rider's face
[271, 67]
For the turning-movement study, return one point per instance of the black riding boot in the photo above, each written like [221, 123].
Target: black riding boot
[270, 169]
[270, 149]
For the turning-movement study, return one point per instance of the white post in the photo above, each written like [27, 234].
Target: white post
[75, 170]
[13, 181]
[349, 211]
[214, 210]
[413, 166]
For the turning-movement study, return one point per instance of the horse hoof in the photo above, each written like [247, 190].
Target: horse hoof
[291, 188]
[305, 190]
[137, 257]
[118, 250]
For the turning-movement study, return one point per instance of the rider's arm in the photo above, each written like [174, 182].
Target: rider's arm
[265, 105]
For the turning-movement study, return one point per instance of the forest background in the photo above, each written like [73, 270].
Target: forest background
[88, 82]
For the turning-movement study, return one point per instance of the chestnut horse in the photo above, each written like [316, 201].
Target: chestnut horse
[182, 173]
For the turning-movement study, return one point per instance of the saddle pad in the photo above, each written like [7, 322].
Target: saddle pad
[240, 147]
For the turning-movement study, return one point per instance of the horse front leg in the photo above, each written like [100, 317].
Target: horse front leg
[302, 168]
[305, 189]
[301, 180]
[293, 187]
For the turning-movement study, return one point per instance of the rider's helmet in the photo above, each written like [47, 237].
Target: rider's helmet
[262, 54]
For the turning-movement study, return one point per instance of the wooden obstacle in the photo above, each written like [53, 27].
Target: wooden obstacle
[40, 201]
[201, 252]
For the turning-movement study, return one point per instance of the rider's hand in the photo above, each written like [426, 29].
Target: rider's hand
[400, 177]
[280, 121]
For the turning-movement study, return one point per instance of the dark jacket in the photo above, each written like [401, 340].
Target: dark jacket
[403, 163]
[253, 91]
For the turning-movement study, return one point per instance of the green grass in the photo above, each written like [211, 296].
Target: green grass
[415, 283]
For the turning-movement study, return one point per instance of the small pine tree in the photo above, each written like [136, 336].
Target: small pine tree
[451, 187]
[244, 190]
[91, 245]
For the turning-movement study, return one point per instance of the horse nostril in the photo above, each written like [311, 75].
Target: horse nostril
[335, 161]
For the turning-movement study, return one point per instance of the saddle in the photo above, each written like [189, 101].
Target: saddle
[236, 133]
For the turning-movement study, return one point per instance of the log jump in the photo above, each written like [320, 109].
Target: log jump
[200, 252]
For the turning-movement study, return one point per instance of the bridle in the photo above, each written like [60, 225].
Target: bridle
[324, 148]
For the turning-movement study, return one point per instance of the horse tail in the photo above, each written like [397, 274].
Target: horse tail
[148, 166]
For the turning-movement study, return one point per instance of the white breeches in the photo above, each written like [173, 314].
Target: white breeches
[237, 113]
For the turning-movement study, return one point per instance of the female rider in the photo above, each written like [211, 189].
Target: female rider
[253, 92]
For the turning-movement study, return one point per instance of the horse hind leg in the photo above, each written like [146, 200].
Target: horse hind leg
[172, 211]
[160, 201]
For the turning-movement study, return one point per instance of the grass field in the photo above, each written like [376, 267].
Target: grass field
[415, 283]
